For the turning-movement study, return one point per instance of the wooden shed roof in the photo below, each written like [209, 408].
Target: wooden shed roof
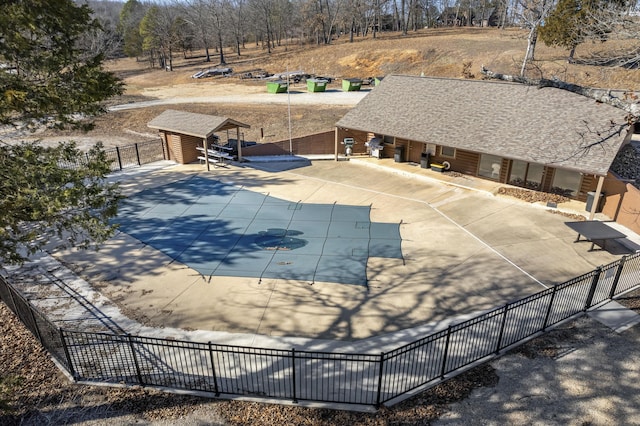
[193, 124]
[540, 125]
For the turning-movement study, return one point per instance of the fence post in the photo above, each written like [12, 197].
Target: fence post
[13, 302]
[614, 286]
[137, 154]
[72, 370]
[594, 284]
[380, 372]
[119, 158]
[213, 370]
[546, 317]
[504, 320]
[293, 375]
[35, 325]
[445, 354]
[135, 359]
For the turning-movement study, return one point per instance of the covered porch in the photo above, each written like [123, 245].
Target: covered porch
[187, 135]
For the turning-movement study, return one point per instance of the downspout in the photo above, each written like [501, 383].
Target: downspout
[596, 200]
[336, 144]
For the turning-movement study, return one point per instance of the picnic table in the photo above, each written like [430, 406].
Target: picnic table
[593, 231]
[216, 154]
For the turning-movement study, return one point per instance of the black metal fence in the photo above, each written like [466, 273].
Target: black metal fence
[134, 155]
[365, 379]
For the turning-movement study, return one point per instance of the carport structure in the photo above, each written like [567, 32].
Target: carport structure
[183, 132]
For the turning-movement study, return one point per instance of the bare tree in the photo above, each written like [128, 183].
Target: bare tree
[322, 16]
[611, 25]
[106, 40]
[160, 31]
[237, 16]
[531, 14]
[593, 135]
[628, 102]
[195, 14]
[263, 21]
[216, 11]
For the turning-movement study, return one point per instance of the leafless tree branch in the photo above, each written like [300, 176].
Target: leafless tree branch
[629, 102]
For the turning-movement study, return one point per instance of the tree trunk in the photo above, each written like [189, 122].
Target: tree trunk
[351, 30]
[222, 61]
[268, 31]
[531, 47]
[503, 15]
[630, 105]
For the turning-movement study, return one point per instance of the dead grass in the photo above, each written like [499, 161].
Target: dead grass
[126, 127]
[432, 52]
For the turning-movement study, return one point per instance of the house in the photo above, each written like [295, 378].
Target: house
[544, 139]
[455, 16]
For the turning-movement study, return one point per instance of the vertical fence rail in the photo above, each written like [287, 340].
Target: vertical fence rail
[616, 278]
[629, 274]
[549, 307]
[69, 364]
[443, 369]
[294, 393]
[365, 379]
[135, 359]
[137, 155]
[213, 370]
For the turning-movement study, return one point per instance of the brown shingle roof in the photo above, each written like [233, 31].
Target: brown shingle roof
[541, 125]
[189, 123]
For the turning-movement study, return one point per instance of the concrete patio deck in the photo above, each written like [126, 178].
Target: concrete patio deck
[465, 250]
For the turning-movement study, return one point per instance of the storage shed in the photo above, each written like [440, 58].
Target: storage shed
[183, 132]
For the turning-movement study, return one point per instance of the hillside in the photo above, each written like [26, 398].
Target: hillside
[431, 52]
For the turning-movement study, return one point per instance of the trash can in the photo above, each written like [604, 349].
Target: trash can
[348, 146]
[398, 157]
[590, 200]
[424, 160]
[351, 84]
[279, 86]
[316, 84]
